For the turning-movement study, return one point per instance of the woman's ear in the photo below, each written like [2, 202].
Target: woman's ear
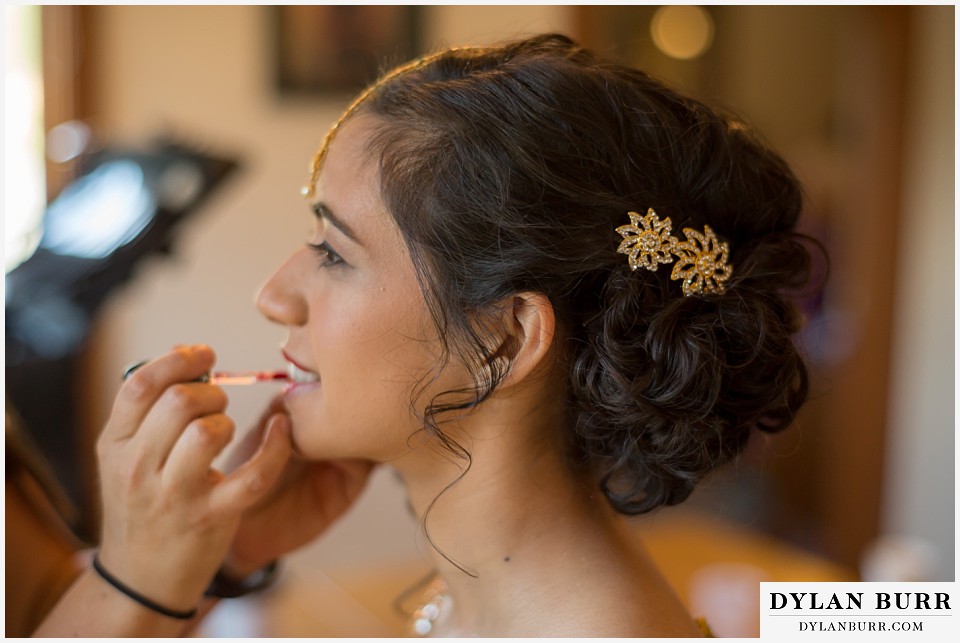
[529, 326]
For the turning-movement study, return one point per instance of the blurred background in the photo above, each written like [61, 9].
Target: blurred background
[200, 121]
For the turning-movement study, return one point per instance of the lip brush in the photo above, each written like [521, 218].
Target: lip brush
[228, 378]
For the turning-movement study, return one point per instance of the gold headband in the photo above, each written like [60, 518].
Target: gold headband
[309, 190]
[701, 259]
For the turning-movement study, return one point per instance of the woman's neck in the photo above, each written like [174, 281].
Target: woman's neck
[500, 530]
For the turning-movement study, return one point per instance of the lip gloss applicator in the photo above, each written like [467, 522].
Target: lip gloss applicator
[243, 378]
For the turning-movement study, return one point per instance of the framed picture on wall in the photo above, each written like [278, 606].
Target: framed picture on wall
[324, 49]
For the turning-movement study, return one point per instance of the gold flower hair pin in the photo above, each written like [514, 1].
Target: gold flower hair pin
[701, 259]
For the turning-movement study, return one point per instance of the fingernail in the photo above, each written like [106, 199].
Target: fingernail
[201, 349]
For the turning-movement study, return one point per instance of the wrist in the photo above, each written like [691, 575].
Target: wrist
[135, 595]
[92, 608]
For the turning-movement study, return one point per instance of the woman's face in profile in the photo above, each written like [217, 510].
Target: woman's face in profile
[355, 315]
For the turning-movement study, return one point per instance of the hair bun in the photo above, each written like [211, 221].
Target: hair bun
[664, 397]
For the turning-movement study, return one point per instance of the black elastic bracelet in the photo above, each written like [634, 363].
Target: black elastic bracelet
[143, 600]
[223, 586]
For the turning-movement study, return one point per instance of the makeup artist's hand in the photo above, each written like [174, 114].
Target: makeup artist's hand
[306, 500]
[169, 517]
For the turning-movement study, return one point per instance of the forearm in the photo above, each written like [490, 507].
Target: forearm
[40, 563]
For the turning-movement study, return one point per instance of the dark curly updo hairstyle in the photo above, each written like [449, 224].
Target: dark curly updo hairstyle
[508, 169]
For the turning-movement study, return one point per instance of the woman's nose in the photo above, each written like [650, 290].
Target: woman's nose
[280, 299]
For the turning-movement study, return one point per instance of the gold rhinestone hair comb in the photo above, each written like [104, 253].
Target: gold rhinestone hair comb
[701, 260]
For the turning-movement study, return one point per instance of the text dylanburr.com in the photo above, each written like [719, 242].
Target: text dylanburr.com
[871, 611]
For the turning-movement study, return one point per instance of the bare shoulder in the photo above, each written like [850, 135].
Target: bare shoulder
[619, 619]
[650, 612]
[627, 600]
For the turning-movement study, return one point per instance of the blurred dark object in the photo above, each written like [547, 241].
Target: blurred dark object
[341, 48]
[123, 207]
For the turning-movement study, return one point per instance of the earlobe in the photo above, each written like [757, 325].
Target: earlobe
[530, 324]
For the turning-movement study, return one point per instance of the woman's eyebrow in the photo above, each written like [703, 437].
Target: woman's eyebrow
[324, 212]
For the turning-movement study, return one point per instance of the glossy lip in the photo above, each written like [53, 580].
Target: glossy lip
[298, 386]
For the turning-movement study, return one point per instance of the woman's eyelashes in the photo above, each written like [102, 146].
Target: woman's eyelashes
[327, 255]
